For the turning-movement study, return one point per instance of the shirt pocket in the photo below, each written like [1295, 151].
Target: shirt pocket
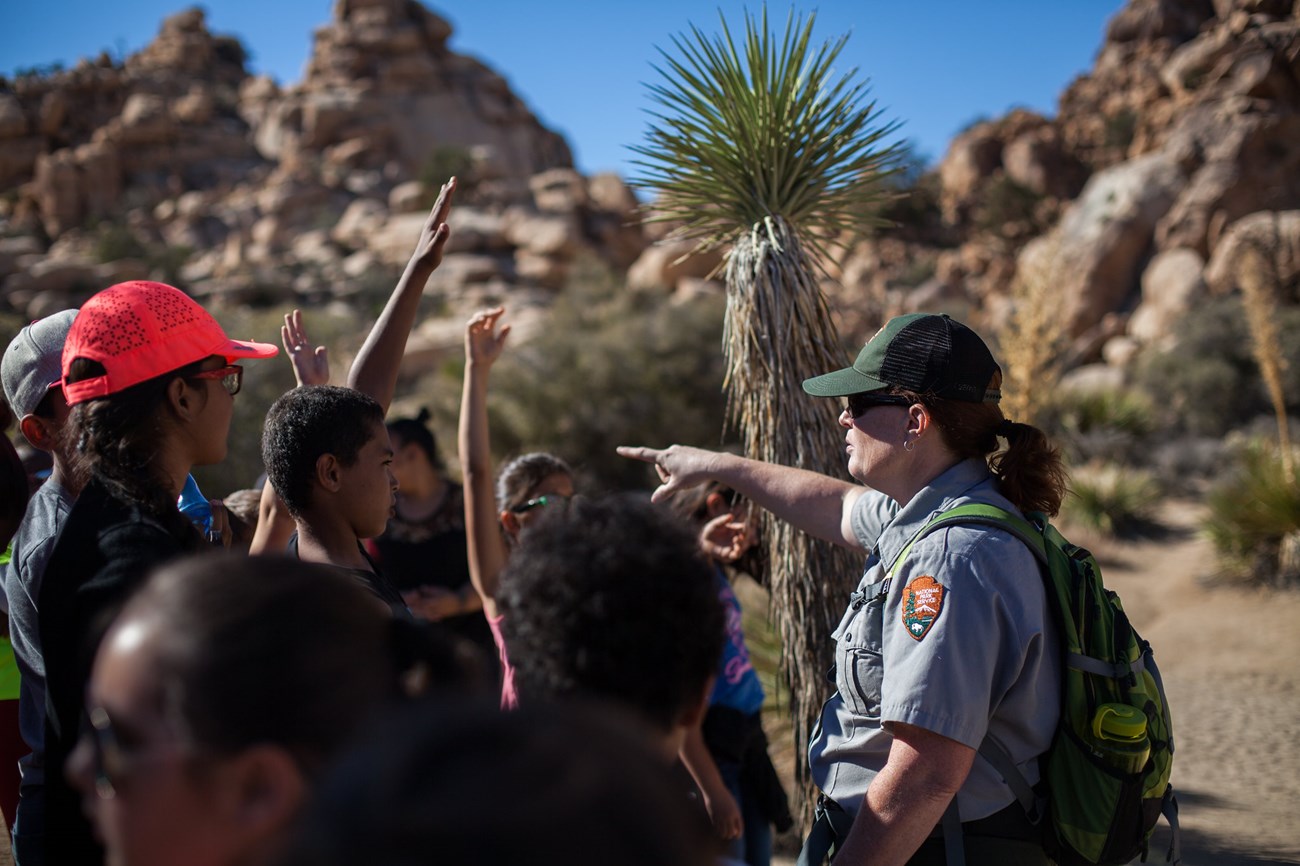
[860, 668]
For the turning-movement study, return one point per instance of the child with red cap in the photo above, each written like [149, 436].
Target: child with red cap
[150, 378]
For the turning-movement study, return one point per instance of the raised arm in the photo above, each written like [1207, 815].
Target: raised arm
[274, 524]
[311, 365]
[487, 548]
[815, 503]
[375, 370]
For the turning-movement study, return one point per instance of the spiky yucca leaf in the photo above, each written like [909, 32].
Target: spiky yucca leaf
[760, 129]
[760, 148]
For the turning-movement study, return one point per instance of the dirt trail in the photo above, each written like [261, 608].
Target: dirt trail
[1231, 664]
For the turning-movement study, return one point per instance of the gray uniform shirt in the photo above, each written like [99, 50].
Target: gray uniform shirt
[959, 642]
[47, 512]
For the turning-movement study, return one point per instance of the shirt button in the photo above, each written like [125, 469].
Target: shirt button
[848, 637]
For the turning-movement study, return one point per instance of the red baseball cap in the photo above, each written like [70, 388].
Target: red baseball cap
[139, 330]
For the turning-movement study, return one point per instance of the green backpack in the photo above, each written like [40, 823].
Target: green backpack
[1099, 812]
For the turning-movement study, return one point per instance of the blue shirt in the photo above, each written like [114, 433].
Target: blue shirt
[737, 685]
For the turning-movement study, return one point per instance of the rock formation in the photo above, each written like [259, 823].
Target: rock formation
[1177, 153]
[1179, 147]
[178, 163]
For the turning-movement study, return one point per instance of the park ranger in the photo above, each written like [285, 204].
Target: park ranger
[943, 642]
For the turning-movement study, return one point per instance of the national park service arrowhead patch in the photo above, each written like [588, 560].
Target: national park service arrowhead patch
[922, 602]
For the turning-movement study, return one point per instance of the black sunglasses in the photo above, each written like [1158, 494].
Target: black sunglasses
[539, 502]
[110, 756]
[231, 377]
[860, 403]
[107, 754]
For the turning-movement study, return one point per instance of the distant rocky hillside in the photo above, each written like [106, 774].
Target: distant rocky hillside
[1177, 152]
[177, 163]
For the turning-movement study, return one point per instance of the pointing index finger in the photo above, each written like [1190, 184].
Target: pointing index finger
[646, 455]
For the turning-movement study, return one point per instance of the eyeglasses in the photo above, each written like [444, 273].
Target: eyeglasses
[231, 377]
[860, 403]
[539, 502]
[111, 758]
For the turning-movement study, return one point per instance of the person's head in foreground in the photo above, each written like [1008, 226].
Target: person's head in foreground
[610, 600]
[461, 784]
[328, 455]
[527, 486]
[151, 378]
[922, 396]
[220, 693]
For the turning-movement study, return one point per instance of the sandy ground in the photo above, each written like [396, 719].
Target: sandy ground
[1231, 664]
[1230, 659]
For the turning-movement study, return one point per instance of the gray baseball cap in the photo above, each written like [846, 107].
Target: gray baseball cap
[33, 363]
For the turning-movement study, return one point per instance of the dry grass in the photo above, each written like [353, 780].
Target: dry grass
[1034, 339]
[1259, 282]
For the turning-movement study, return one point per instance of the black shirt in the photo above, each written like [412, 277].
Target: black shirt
[105, 551]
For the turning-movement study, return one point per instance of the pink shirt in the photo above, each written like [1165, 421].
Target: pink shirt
[509, 699]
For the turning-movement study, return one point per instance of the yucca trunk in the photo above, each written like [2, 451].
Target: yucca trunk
[777, 332]
[761, 148]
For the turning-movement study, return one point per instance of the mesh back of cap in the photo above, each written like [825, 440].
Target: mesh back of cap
[918, 355]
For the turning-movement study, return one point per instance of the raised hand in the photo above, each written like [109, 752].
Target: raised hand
[483, 340]
[725, 537]
[311, 365]
[434, 234]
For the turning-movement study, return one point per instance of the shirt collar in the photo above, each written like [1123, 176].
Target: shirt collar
[959, 481]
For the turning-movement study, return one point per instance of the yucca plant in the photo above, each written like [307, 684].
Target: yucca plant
[1110, 498]
[1259, 283]
[1254, 518]
[761, 148]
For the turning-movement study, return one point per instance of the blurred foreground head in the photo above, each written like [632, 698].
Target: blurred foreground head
[221, 692]
[610, 600]
[544, 784]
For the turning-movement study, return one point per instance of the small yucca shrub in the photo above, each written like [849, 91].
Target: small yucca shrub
[1101, 423]
[1254, 518]
[1110, 498]
[1091, 409]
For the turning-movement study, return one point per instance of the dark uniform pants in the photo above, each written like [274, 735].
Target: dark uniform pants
[1005, 838]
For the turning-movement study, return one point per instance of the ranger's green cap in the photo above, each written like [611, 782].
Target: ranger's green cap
[920, 352]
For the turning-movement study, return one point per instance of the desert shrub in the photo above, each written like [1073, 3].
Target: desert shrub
[229, 49]
[911, 200]
[1101, 423]
[1088, 410]
[1004, 202]
[913, 209]
[610, 368]
[1111, 498]
[166, 263]
[443, 162]
[916, 271]
[1254, 518]
[115, 241]
[1120, 128]
[1209, 382]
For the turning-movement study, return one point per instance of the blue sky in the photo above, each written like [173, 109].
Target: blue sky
[581, 65]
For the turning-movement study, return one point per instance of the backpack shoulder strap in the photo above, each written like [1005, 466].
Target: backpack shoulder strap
[990, 749]
[980, 515]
